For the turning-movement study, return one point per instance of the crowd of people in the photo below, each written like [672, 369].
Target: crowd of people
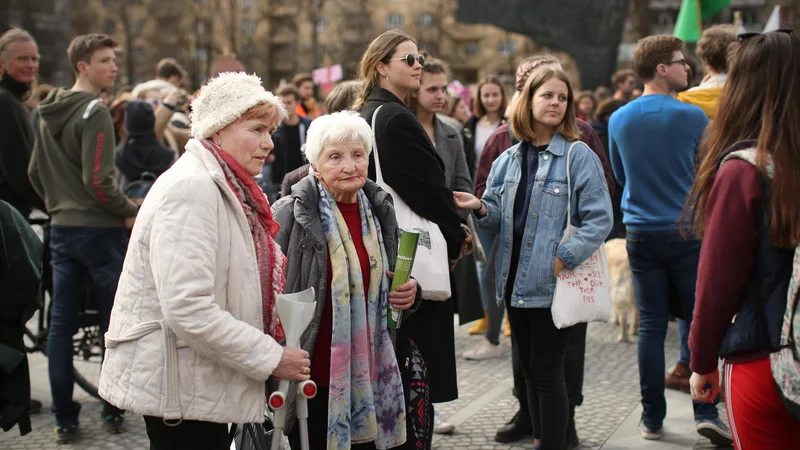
[189, 213]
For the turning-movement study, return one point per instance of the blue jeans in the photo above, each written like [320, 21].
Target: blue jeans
[78, 253]
[658, 260]
[486, 277]
[683, 335]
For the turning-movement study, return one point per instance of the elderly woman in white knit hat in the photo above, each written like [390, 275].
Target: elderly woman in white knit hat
[340, 234]
[194, 331]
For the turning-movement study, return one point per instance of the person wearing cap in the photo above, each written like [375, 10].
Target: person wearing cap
[194, 331]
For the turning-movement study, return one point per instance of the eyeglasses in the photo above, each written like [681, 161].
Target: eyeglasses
[745, 36]
[677, 61]
[410, 59]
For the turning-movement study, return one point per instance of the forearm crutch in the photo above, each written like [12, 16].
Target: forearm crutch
[295, 312]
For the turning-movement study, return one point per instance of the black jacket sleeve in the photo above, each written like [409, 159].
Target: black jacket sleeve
[412, 168]
[15, 153]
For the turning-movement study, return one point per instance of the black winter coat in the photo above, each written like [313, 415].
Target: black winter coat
[411, 166]
[20, 280]
[15, 152]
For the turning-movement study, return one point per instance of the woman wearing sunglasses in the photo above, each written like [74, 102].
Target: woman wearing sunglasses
[749, 220]
[391, 69]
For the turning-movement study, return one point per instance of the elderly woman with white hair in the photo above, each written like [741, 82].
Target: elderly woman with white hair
[340, 236]
[194, 331]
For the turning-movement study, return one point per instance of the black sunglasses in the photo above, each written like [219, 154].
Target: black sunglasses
[410, 59]
[745, 36]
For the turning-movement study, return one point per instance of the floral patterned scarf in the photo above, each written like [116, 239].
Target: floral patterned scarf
[271, 260]
[365, 402]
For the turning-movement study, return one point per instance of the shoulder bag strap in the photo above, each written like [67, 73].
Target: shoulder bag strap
[569, 187]
[378, 172]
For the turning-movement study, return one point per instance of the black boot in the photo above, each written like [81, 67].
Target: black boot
[571, 442]
[519, 427]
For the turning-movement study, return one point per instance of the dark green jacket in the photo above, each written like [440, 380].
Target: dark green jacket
[72, 167]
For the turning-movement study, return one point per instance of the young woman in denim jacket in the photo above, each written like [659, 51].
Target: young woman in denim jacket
[531, 222]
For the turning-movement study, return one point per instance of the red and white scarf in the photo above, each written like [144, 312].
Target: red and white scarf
[271, 261]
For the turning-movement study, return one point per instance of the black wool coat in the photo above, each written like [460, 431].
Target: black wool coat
[411, 166]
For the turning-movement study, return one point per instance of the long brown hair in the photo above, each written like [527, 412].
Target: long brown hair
[522, 119]
[379, 50]
[477, 104]
[759, 102]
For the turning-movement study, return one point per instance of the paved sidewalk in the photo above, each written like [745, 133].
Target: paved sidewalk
[607, 420]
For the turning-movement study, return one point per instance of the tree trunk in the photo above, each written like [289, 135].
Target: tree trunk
[589, 30]
[644, 17]
[315, 12]
[122, 7]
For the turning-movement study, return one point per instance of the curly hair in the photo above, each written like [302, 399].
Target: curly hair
[714, 46]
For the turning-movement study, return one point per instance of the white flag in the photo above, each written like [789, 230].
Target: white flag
[774, 21]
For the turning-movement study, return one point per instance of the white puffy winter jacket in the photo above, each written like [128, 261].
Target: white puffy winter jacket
[186, 338]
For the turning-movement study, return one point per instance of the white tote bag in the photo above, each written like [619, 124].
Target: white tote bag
[582, 294]
[431, 267]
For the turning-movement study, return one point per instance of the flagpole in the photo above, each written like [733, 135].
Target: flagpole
[699, 17]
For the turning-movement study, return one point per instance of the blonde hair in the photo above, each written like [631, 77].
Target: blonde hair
[522, 120]
[379, 50]
[342, 96]
[8, 38]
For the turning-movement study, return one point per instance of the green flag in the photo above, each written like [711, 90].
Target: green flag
[689, 26]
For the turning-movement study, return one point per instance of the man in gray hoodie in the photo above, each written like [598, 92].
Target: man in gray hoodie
[72, 169]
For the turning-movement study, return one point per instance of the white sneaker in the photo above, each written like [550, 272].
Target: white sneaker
[441, 426]
[484, 350]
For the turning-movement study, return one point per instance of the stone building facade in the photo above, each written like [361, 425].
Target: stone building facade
[278, 38]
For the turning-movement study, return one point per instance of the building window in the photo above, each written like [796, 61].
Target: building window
[247, 4]
[322, 25]
[394, 21]
[248, 51]
[426, 20]
[109, 27]
[507, 48]
[471, 48]
[248, 27]
[201, 27]
[201, 53]
[135, 27]
[428, 46]
[138, 54]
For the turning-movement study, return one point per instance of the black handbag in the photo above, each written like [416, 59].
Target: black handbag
[417, 392]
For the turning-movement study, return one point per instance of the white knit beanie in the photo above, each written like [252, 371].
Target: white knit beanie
[224, 99]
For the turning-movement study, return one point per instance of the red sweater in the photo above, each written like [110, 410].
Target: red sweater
[500, 141]
[726, 260]
[321, 361]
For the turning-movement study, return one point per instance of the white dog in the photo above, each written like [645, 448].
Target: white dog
[623, 298]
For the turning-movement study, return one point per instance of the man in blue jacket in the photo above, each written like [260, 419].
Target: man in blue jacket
[653, 143]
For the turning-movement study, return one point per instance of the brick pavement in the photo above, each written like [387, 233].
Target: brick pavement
[611, 393]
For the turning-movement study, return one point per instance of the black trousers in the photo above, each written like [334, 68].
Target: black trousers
[188, 435]
[318, 425]
[541, 350]
[573, 374]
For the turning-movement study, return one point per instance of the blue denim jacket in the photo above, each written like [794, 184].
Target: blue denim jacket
[535, 282]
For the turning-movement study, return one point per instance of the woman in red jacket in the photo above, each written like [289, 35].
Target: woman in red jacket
[749, 218]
